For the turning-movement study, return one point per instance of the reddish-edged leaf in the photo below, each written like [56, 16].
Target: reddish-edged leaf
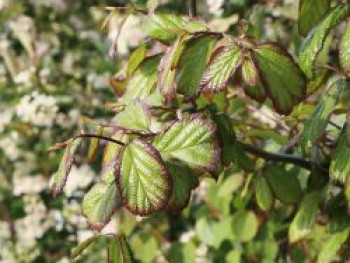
[143, 179]
[60, 177]
[94, 142]
[191, 140]
[280, 75]
[222, 65]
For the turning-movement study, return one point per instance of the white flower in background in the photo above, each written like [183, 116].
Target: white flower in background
[79, 177]
[9, 146]
[5, 118]
[187, 236]
[265, 115]
[131, 34]
[39, 109]
[28, 184]
[215, 7]
[23, 77]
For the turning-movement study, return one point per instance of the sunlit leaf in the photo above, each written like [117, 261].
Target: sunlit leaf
[93, 148]
[135, 116]
[263, 194]
[165, 27]
[304, 220]
[313, 44]
[310, 13]
[250, 72]
[192, 64]
[222, 65]
[167, 69]
[280, 75]
[284, 184]
[191, 140]
[344, 50]
[60, 177]
[143, 81]
[143, 179]
[184, 180]
[136, 59]
[329, 250]
[84, 245]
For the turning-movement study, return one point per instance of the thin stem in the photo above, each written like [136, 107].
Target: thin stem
[277, 157]
[86, 135]
[193, 8]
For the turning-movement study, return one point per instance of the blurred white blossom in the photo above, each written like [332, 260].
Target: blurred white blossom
[215, 7]
[9, 145]
[5, 118]
[39, 109]
[28, 184]
[79, 177]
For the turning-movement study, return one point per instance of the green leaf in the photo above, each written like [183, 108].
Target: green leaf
[167, 69]
[113, 252]
[60, 177]
[136, 59]
[222, 65]
[310, 13]
[144, 247]
[192, 141]
[135, 116]
[84, 245]
[165, 27]
[284, 184]
[333, 244]
[281, 77]
[340, 165]
[143, 82]
[182, 252]
[124, 249]
[344, 50]
[348, 127]
[263, 194]
[100, 203]
[184, 180]
[250, 72]
[93, 148]
[245, 225]
[304, 220]
[313, 44]
[111, 152]
[316, 125]
[192, 64]
[143, 179]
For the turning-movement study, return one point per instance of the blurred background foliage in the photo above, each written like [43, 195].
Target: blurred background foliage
[55, 69]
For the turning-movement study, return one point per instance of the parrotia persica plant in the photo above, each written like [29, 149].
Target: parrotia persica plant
[178, 122]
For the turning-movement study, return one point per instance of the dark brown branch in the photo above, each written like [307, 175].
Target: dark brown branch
[286, 158]
[86, 135]
[193, 8]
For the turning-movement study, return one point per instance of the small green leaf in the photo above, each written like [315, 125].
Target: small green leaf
[310, 13]
[284, 184]
[348, 127]
[333, 244]
[340, 165]
[99, 204]
[263, 194]
[281, 77]
[304, 220]
[191, 140]
[111, 151]
[250, 72]
[184, 180]
[222, 65]
[143, 179]
[136, 59]
[316, 124]
[194, 60]
[113, 252]
[165, 27]
[167, 69]
[143, 81]
[60, 177]
[245, 225]
[344, 50]
[84, 245]
[93, 148]
[313, 44]
[135, 116]
[124, 248]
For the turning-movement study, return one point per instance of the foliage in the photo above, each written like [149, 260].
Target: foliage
[226, 141]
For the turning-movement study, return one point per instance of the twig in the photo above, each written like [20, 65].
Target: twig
[276, 157]
[87, 135]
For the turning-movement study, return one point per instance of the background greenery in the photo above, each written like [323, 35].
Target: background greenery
[55, 75]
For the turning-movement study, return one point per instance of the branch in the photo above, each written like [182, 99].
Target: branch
[287, 158]
[86, 135]
[193, 8]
